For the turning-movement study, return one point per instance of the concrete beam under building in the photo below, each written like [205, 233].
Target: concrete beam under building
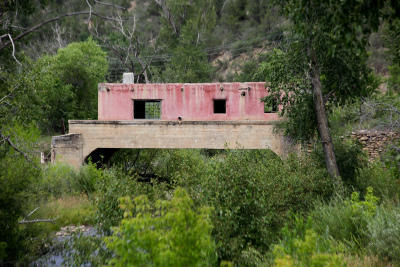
[88, 135]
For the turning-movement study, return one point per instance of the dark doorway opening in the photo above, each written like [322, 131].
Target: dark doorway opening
[147, 109]
[220, 106]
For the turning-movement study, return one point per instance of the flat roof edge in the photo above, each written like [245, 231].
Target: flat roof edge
[205, 83]
[172, 122]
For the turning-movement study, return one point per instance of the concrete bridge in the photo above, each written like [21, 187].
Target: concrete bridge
[87, 136]
[211, 116]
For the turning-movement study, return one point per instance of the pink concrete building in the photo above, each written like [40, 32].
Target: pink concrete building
[187, 102]
[172, 116]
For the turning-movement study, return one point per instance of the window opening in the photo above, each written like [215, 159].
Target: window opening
[147, 109]
[271, 106]
[220, 106]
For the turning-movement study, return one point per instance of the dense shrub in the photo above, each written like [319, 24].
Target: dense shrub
[86, 179]
[253, 192]
[174, 166]
[312, 250]
[394, 78]
[86, 251]
[185, 168]
[384, 180]
[171, 167]
[349, 157]
[135, 161]
[57, 179]
[346, 220]
[17, 175]
[114, 184]
[170, 233]
[342, 118]
[60, 179]
[391, 159]
[384, 233]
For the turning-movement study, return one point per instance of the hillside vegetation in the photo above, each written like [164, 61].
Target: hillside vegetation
[333, 67]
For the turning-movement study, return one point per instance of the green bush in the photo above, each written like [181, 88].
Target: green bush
[171, 233]
[253, 193]
[185, 168]
[85, 181]
[384, 233]
[343, 118]
[87, 251]
[174, 166]
[252, 257]
[60, 179]
[57, 180]
[311, 251]
[384, 180]
[394, 79]
[114, 184]
[349, 157]
[346, 220]
[16, 175]
[391, 158]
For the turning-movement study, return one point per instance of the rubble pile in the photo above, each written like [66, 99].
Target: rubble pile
[72, 229]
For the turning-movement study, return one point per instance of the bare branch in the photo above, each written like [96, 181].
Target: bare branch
[144, 67]
[58, 32]
[8, 140]
[37, 221]
[4, 98]
[168, 16]
[18, 27]
[389, 118]
[110, 4]
[41, 24]
[25, 221]
[32, 212]
[90, 11]
[13, 46]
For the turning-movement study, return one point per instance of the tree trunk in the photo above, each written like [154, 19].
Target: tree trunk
[323, 128]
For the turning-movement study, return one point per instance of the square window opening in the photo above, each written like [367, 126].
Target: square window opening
[271, 107]
[147, 109]
[220, 106]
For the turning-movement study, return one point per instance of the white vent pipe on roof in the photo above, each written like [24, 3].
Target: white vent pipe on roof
[128, 77]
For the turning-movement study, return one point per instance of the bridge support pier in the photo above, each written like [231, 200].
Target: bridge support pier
[67, 149]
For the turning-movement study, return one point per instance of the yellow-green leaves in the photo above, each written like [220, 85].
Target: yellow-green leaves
[169, 233]
[307, 253]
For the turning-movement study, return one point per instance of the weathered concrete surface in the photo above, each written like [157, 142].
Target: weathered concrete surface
[67, 148]
[86, 136]
[190, 101]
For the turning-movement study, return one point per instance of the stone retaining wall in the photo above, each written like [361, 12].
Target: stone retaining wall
[375, 142]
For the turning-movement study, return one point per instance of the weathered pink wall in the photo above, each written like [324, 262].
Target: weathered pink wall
[193, 102]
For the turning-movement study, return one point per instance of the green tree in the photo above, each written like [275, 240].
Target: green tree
[185, 27]
[392, 41]
[16, 176]
[328, 50]
[57, 100]
[189, 63]
[172, 233]
[82, 65]
[54, 89]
